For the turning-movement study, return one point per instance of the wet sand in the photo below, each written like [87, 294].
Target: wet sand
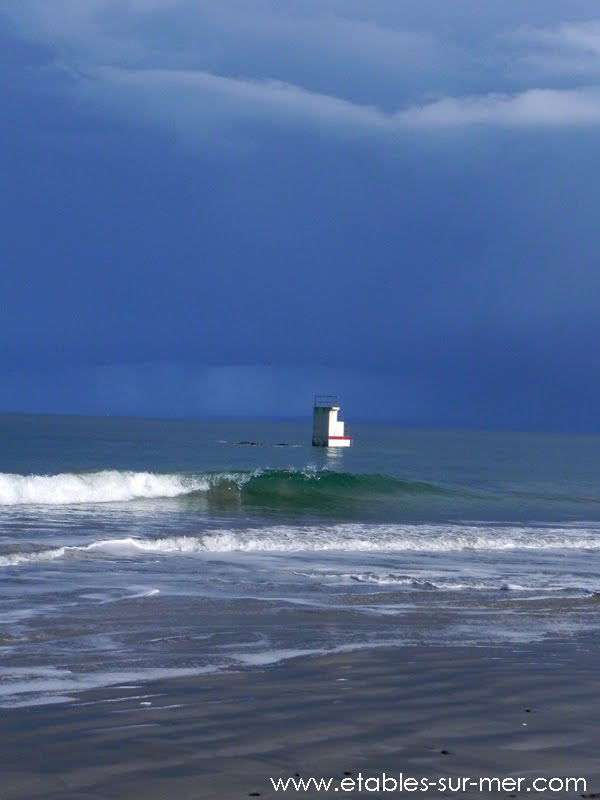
[510, 710]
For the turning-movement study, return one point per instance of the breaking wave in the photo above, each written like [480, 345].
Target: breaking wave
[107, 486]
[287, 488]
[346, 538]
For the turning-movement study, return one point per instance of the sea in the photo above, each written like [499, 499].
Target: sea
[139, 549]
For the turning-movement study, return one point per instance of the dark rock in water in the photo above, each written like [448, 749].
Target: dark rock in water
[253, 794]
[445, 752]
[282, 444]
[528, 711]
[347, 773]
[248, 443]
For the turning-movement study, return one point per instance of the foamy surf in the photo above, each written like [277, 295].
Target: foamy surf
[348, 538]
[438, 583]
[374, 538]
[106, 486]
[130, 548]
[294, 489]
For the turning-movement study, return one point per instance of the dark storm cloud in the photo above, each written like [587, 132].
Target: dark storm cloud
[403, 193]
[320, 65]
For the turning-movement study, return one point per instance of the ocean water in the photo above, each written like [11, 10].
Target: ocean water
[135, 549]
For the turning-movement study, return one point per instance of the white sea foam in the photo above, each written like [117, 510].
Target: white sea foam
[343, 538]
[396, 538]
[107, 486]
[446, 584]
[14, 559]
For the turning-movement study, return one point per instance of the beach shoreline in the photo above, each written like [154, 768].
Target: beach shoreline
[423, 711]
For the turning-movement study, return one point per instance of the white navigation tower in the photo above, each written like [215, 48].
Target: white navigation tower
[328, 429]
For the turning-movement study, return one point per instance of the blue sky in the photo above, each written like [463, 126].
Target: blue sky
[225, 207]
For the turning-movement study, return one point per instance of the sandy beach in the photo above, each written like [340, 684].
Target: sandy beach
[522, 710]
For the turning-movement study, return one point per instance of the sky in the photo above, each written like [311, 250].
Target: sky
[224, 207]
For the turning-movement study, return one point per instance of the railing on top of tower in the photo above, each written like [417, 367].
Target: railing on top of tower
[327, 401]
